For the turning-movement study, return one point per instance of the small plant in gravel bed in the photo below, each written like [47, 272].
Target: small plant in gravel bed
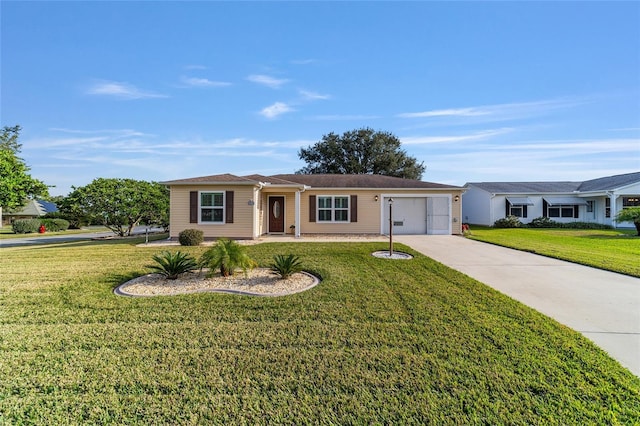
[285, 266]
[172, 265]
[227, 256]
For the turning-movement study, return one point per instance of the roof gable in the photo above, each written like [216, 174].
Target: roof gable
[213, 179]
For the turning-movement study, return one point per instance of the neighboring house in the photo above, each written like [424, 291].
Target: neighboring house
[33, 209]
[596, 200]
[245, 207]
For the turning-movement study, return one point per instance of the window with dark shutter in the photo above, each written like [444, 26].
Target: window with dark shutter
[229, 206]
[193, 207]
[312, 208]
[354, 208]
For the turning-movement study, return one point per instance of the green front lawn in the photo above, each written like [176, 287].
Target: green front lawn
[613, 250]
[377, 342]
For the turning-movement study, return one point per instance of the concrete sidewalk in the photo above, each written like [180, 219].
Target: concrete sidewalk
[603, 306]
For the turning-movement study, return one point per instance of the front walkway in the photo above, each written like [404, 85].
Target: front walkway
[603, 306]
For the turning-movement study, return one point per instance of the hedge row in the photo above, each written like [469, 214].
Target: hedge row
[545, 222]
[26, 226]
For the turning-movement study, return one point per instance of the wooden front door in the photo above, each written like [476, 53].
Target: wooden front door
[276, 214]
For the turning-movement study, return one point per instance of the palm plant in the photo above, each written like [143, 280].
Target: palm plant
[226, 255]
[285, 266]
[171, 265]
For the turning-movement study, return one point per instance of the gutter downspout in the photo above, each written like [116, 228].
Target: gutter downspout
[296, 220]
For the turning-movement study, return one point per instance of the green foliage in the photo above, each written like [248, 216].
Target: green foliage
[543, 222]
[55, 225]
[362, 151]
[227, 256]
[118, 204]
[285, 266]
[508, 222]
[630, 214]
[375, 343]
[172, 265]
[16, 185]
[25, 226]
[191, 237]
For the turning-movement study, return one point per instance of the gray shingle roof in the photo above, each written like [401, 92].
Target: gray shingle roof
[316, 181]
[526, 187]
[600, 184]
[610, 182]
[361, 181]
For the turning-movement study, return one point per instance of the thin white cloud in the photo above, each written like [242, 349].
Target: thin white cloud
[476, 136]
[308, 95]
[265, 80]
[195, 67]
[303, 61]
[275, 110]
[120, 90]
[337, 117]
[203, 82]
[499, 112]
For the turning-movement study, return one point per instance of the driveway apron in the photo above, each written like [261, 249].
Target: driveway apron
[603, 306]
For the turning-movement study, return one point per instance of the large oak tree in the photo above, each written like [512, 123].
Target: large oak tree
[361, 151]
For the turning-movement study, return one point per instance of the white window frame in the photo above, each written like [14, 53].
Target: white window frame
[333, 209]
[516, 210]
[222, 207]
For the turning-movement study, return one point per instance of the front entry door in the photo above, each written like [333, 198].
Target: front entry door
[276, 214]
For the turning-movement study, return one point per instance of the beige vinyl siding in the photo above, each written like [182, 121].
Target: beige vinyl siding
[368, 213]
[242, 226]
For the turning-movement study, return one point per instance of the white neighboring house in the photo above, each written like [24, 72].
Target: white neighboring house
[596, 200]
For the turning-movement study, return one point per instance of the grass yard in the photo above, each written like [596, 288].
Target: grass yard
[377, 342]
[613, 250]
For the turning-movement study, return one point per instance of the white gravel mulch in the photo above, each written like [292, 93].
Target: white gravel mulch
[257, 282]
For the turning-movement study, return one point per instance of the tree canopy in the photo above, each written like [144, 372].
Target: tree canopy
[16, 184]
[630, 214]
[119, 204]
[361, 151]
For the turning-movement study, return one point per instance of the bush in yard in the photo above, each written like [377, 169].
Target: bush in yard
[226, 255]
[584, 225]
[55, 225]
[191, 237]
[25, 226]
[630, 214]
[171, 265]
[285, 266]
[508, 222]
[543, 222]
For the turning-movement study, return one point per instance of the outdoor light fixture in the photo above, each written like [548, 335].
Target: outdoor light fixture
[375, 198]
[456, 198]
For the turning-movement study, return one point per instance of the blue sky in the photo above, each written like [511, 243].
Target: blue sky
[478, 91]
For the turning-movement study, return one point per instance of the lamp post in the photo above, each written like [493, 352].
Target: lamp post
[390, 227]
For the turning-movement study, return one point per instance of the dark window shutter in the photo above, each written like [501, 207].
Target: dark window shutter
[544, 208]
[524, 211]
[193, 207]
[576, 212]
[312, 208]
[507, 210]
[228, 203]
[354, 208]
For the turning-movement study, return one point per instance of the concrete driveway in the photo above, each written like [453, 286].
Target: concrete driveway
[603, 306]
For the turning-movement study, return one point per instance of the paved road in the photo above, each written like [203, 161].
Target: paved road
[44, 239]
[603, 306]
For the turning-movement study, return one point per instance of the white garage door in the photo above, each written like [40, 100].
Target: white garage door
[419, 215]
